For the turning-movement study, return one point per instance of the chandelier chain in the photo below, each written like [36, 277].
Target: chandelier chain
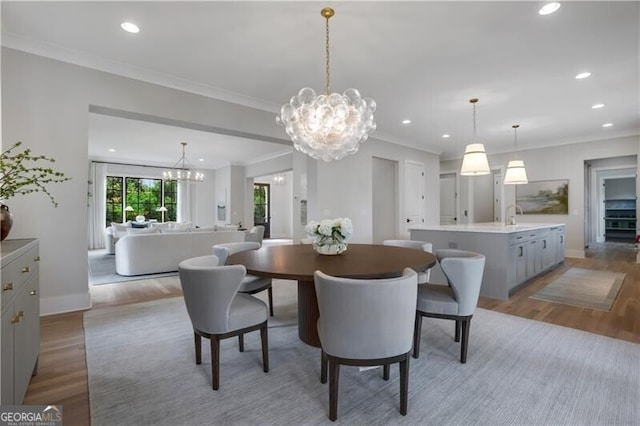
[328, 82]
[475, 137]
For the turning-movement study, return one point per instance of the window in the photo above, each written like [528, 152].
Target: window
[143, 195]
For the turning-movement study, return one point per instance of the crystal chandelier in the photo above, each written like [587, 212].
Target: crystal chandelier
[474, 162]
[183, 170]
[516, 173]
[328, 126]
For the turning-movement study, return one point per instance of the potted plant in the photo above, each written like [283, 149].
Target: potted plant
[22, 173]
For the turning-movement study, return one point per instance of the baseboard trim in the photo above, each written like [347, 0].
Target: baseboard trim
[63, 304]
[579, 254]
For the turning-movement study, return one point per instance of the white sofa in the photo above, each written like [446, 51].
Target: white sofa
[138, 254]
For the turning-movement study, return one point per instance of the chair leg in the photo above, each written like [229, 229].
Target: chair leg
[323, 367]
[241, 342]
[265, 346]
[334, 376]
[417, 330]
[385, 371]
[198, 341]
[458, 325]
[215, 362]
[270, 293]
[466, 324]
[404, 385]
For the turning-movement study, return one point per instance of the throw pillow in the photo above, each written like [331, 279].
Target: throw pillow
[119, 227]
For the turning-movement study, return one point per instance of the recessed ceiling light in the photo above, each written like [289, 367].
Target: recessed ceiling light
[549, 8]
[407, 121]
[596, 106]
[112, 150]
[130, 27]
[582, 75]
[607, 125]
[200, 159]
[446, 135]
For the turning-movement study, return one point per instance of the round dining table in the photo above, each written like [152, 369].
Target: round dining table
[299, 262]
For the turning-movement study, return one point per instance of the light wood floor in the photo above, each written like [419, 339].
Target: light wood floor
[62, 373]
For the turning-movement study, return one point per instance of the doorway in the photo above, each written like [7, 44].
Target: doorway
[262, 207]
[385, 202]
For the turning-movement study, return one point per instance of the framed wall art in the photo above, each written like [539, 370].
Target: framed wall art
[544, 197]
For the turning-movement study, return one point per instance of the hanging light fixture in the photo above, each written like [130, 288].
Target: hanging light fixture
[328, 126]
[516, 173]
[475, 162]
[183, 170]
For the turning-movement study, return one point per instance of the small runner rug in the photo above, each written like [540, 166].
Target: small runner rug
[587, 288]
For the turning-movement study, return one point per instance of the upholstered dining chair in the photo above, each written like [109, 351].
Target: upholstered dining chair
[251, 284]
[216, 309]
[457, 301]
[255, 234]
[365, 323]
[423, 276]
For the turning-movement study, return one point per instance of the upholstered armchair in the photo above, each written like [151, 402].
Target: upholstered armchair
[216, 309]
[365, 323]
[251, 284]
[423, 276]
[255, 234]
[457, 301]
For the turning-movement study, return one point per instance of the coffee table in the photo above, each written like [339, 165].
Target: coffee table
[299, 262]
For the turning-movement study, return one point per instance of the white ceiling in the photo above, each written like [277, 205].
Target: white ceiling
[418, 60]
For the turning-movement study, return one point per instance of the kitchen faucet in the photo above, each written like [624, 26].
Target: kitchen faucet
[511, 220]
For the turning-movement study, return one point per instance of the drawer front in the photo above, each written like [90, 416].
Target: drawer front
[17, 273]
[519, 237]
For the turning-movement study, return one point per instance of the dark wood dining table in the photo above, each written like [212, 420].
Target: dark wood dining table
[299, 262]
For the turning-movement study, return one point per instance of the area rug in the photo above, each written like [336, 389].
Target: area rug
[586, 288]
[102, 270]
[141, 371]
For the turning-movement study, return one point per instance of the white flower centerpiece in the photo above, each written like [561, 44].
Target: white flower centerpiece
[330, 235]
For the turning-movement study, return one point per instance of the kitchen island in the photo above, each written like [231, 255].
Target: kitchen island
[514, 253]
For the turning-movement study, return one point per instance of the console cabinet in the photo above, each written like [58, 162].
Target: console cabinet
[20, 299]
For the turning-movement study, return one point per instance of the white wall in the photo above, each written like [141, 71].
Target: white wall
[345, 187]
[45, 104]
[562, 162]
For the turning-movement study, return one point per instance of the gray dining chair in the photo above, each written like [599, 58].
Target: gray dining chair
[365, 323]
[216, 309]
[457, 301]
[251, 283]
[423, 276]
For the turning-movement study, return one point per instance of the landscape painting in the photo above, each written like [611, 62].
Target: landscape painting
[544, 197]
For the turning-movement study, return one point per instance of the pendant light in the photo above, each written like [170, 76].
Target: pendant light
[183, 170]
[328, 126]
[516, 173]
[475, 162]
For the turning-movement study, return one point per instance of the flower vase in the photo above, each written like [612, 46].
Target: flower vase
[330, 247]
[7, 221]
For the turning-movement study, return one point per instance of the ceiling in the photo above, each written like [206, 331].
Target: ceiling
[421, 61]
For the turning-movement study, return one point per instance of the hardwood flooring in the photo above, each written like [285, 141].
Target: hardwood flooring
[62, 372]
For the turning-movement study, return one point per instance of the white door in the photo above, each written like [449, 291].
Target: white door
[448, 197]
[414, 196]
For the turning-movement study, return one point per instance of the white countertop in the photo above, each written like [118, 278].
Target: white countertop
[488, 227]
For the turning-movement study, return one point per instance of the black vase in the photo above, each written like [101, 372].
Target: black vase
[7, 221]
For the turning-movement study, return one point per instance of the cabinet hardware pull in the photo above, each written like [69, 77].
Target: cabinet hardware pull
[544, 243]
[20, 314]
[521, 252]
[33, 292]
[15, 319]
[36, 259]
[7, 287]
[25, 269]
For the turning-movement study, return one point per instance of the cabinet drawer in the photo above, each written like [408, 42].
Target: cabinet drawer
[17, 273]
[519, 237]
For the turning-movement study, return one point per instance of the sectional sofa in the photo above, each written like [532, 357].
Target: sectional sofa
[155, 252]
